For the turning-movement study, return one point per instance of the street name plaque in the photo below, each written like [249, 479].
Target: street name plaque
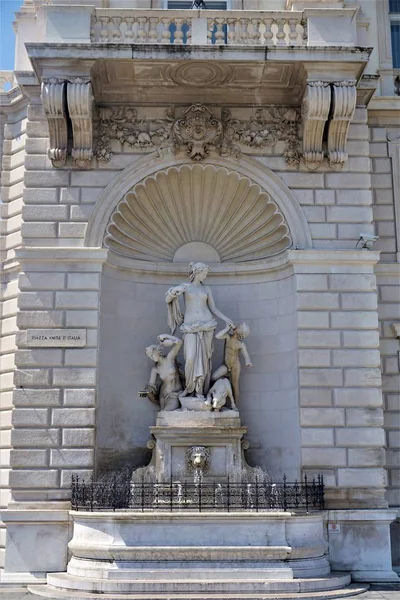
[56, 338]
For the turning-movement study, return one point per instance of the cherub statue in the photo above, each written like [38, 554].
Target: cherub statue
[166, 370]
[234, 345]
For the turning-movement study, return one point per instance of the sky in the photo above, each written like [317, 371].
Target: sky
[7, 36]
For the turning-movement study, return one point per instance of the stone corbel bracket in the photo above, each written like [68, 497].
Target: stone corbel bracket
[344, 98]
[80, 108]
[54, 104]
[316, 106]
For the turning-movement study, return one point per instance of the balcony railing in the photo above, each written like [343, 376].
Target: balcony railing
[207, 27]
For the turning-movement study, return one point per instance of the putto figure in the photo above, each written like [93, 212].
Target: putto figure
[166, 370]
[234, 346]
[197, 325]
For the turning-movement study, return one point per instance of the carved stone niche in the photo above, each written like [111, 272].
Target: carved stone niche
[54, 104]
[316, 106]
[344, 98]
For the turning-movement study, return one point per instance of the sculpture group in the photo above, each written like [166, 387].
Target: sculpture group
[196, 387]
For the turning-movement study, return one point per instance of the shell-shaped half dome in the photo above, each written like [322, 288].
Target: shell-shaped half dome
[197, 203]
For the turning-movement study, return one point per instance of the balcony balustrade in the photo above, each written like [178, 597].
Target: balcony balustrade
[244, 28]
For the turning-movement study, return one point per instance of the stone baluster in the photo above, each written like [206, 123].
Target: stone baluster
[219, 33]
[232, 33]
[115, 29]
[244, 26]
[129, 33]
[104, 31]
[268, 33]
[188, 22]
[281, 35]
[142, 33]
[153, 31]
[210, 30]
[178, 32]
[166, 32]
[255, 31]
[293, 34]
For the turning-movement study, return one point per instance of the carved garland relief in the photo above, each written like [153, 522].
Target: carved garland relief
[199, 130]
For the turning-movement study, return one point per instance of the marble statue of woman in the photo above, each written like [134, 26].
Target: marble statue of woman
[197, 325]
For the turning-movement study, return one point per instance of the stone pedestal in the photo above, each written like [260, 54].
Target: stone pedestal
[220, 433]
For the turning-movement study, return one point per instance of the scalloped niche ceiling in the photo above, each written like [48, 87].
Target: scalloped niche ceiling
[227, 215]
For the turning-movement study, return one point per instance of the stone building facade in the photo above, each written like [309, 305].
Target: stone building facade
[265, 142]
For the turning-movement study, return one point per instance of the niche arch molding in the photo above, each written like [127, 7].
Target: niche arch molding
[151, 164]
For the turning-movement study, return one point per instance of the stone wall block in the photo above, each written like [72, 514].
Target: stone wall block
[77, 299]
[360, 436]
[73, 377]
[83, 438]
[34, 479]
[321, 377]
[73, 417]
[28, 458]
[36, 438]
[319, 339]
[322, 301]
[317, 436]
[48, 357]
[315, 397]
[40, 319]
[358, 397]
[82, 318]
[84, 357]
[313, 320]
[366, 457]
[37, 397]
[71, 458]
[79, 397]
[66, 476]
[32, 377]
[369, 417]
[45, 212]
[41, 281]
[39, 229]
[358, 301]
[318, 417]
[363, 378]
[354, 320]
[351, 478]
[31, 417]
[323, 457]
[356, 358]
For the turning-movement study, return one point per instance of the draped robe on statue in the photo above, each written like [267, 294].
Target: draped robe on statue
[198, 348]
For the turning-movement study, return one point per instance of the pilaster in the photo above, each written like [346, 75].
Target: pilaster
[341, 408]
[54, 402]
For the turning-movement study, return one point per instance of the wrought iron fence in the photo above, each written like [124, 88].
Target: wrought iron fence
[115, 494]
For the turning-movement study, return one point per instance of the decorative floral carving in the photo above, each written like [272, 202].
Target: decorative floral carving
[198, 130]
[269, 126]
[121, 123]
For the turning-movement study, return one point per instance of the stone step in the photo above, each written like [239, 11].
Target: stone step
[203, 573]
[52, 593]
[246, 581]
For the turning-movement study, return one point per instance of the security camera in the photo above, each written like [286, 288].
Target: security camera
[367, 241]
